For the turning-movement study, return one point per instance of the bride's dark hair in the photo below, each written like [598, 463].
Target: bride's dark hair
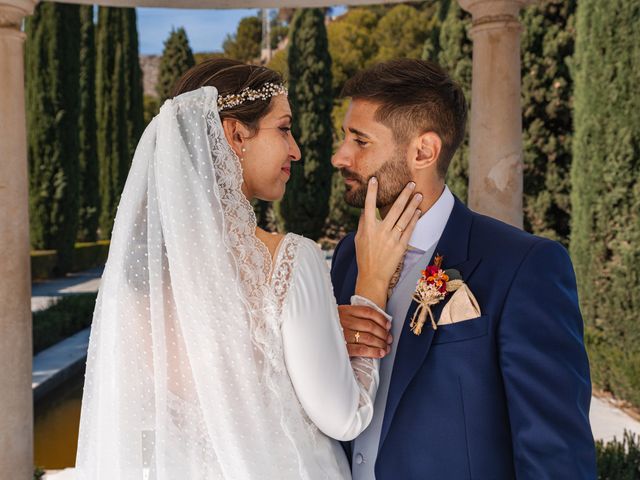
[231, 77]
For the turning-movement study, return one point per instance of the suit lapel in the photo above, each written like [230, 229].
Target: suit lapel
[413, 349]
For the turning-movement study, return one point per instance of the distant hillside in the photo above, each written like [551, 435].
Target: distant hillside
[150, 65]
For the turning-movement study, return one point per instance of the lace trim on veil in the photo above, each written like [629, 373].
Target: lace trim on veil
[252, 257]
[254, 266]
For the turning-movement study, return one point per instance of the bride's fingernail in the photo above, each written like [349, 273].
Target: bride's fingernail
[373, 180]
[411, 185]
[388, 325]
[382, 353]
[389, 339]
[418, 197]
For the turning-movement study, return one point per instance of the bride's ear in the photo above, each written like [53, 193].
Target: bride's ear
[236, 134]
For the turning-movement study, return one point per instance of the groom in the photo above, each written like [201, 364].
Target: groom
[500, 389]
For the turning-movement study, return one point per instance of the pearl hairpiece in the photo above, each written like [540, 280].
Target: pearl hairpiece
[265, 92]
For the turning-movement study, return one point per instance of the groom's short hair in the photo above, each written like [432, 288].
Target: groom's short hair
[415, 96]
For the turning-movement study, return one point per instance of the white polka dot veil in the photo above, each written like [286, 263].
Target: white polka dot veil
[185, 373]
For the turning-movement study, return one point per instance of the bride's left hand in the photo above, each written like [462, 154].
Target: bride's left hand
[381, 244]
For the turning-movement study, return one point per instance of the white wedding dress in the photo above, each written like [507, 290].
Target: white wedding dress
[208, 360]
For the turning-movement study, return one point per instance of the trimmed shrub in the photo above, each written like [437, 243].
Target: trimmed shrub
[619, 460]
[69, 315]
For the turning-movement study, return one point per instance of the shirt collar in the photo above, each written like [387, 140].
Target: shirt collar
[431, 225]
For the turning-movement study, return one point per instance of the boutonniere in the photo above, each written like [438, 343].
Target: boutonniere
[433, 287]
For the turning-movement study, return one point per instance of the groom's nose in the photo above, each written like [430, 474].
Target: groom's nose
[340, 159]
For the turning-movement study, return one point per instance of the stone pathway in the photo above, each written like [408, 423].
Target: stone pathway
[45, 292]
[608, 421]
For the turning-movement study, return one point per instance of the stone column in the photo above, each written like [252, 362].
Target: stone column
[16, 410]
[495, 150]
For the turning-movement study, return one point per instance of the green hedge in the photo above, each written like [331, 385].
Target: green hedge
[605, 190]
[69, 315]
[90, 255]
[43, 262]
[619, 460]
[85, 255]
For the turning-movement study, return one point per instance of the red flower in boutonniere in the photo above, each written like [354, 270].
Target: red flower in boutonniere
[432, 288]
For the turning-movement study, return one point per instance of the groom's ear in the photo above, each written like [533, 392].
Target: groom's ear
[236, 134]
[427, 147]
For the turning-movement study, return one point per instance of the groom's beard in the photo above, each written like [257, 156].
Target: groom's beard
[392, 177]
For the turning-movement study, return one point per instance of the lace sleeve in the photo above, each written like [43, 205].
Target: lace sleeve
[366, 369]
[336, 393]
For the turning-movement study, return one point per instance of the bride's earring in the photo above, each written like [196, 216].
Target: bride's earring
[243, 152]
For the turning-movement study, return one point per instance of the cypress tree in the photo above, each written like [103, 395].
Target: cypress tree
[455, 58]
[119, 105]
[245, 44]
[52, 70]
[107, 39]
[547, 47]
[605, 196]
[177, 58]
[88, 160]
[342, 217]
[437, 13]
[306, 204]
[134, 104]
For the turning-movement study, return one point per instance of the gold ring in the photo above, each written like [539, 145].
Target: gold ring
[400, 229]
[357, 336]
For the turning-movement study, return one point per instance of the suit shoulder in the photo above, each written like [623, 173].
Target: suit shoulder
[345, 250]
[493, 237]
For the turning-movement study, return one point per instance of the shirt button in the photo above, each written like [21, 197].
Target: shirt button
[359, 459]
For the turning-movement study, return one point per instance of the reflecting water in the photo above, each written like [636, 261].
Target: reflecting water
[56, 422]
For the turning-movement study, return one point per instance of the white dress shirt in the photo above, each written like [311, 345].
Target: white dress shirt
[428, 230]
[423, 242]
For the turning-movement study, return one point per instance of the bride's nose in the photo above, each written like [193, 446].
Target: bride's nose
[294, 150]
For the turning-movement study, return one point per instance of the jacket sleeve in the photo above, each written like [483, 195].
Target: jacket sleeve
[545, 369]
[338, 265]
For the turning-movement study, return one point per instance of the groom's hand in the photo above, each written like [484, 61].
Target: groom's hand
[371, 329]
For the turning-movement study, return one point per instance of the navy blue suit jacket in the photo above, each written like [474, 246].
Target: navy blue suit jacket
[502, 396]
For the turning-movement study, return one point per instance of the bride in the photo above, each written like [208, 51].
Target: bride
[216, 349]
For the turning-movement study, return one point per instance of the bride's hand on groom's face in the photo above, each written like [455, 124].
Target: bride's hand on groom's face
[381, 244]
[366, 331]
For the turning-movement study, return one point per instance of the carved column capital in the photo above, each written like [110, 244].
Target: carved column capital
[490, 14]
[11, 14]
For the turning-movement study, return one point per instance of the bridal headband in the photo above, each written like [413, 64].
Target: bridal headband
[265, 92]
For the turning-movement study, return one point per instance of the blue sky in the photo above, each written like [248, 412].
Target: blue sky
[206, 29]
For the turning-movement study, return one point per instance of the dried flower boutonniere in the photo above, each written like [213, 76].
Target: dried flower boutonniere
[433, 287]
